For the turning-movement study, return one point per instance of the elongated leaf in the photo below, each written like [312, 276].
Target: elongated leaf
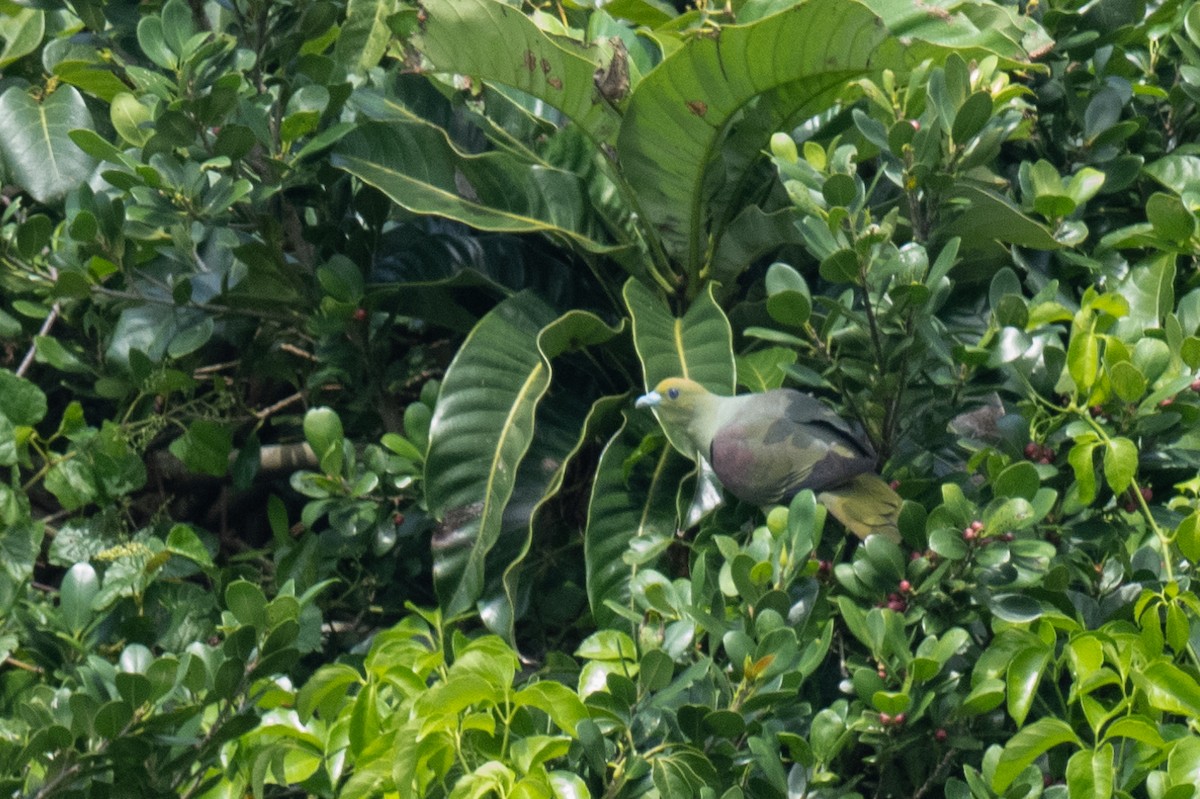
[1024, 676]
[1027, 745]
[987, 216]
[496, 42]
[481, 430]
[630, 499]
[698, 346]
[417, 166]
[677, 115]
[41, 159]
[565, 426]
[1169, 688]
[364, 35]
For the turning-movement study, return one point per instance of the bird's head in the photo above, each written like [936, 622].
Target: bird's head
[683, 406]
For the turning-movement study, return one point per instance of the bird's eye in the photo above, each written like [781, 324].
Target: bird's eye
[673, 393]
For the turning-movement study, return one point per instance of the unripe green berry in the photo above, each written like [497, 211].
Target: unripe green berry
[783, 147]
[777, 520]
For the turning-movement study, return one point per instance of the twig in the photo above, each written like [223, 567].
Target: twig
[299, 353]
[215, 367]
[27, 361]
[278, 406]
[20, 664]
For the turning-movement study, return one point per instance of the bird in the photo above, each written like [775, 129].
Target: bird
[765, 448]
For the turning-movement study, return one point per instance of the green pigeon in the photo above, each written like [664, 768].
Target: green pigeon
[765, 448]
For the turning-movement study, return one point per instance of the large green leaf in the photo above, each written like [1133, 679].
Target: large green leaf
[419, 168]
[633, 497]
[793, 64]
[698, 345]
[678, 114]
[495, 41]
[567, 422]
[41, 159]
[482, 428]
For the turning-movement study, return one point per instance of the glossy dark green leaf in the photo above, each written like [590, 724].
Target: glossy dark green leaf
[40, 157]
[1022, 679]
[1016, 608]
[971, 116]
[1027, 745]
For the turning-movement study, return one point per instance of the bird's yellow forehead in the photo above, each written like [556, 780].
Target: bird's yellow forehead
[675, 387]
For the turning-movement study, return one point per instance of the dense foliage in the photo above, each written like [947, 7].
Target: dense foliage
[322, 324]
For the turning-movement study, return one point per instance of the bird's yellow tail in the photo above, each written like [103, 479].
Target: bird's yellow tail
[865, 505]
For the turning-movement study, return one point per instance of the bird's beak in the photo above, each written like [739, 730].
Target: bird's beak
[650, 400]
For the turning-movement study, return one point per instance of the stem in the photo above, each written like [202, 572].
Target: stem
[27, 361]
[1163, 540]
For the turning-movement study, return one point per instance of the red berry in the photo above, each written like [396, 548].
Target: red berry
[1147, 494]
[360, 314]
[885, 719]
[397, 518]
[977, 525]
[941, 735]
[969, 534]
[915, 124]
[894, 485]
[915, 556]
[1007, 537]
[1196, 384]
[1031, 450]
[1166, 403]
[900, 719]
[897, 605]
[905, 586]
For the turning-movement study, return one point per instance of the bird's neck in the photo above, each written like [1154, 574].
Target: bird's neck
[712, 413]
